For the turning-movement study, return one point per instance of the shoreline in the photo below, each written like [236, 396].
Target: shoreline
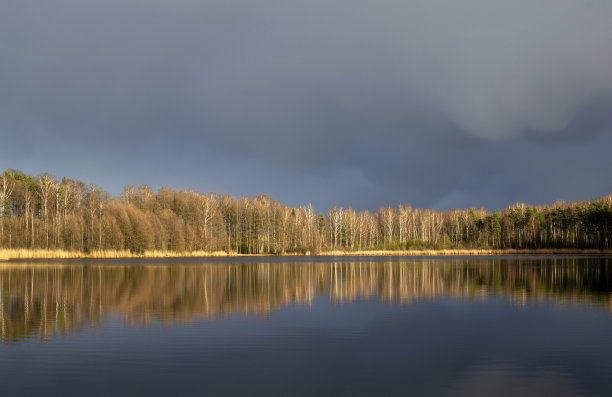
[16, 254]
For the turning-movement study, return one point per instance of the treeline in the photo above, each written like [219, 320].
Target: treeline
[44, 212]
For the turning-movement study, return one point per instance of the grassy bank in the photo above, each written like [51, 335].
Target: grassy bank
[471, 252]
[7, 254]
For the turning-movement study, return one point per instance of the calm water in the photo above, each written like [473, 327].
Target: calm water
[290, 327]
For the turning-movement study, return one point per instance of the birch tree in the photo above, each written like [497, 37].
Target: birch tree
[46, 189]
[7, 184]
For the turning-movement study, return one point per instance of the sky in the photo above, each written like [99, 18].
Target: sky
[437, 104]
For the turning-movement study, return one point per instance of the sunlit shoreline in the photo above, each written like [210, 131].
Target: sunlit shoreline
[14, 254]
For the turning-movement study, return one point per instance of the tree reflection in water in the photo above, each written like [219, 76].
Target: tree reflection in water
[39, 300]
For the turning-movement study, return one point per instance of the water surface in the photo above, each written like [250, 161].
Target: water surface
[304, 326]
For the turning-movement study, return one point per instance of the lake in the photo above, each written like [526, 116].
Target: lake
[304, 326]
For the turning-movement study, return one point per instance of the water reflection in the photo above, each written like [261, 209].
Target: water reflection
[39, 301]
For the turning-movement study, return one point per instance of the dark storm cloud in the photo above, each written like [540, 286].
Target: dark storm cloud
[435, 103]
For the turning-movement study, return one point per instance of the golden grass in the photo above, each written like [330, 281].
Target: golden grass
[7, 254]
[471, 252]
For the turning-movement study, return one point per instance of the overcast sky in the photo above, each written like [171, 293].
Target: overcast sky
[438, 104]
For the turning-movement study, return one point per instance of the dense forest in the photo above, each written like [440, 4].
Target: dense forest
[44, 212]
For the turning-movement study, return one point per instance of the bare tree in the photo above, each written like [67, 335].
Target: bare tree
[310, 225]
[387, 215]
[403, 221]
[336, 220]
[7, 184]
[207, 204]
[46, 189]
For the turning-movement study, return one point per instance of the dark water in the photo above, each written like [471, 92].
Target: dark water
[291, 327]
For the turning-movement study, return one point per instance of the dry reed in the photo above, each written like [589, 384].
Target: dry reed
[7, 254]
[471, 252]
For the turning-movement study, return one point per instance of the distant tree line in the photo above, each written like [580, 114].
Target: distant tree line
[44, 212]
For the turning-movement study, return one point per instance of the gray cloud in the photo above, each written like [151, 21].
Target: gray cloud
[435, 103]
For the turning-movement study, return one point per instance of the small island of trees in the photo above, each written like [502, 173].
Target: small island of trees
[43, 212]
